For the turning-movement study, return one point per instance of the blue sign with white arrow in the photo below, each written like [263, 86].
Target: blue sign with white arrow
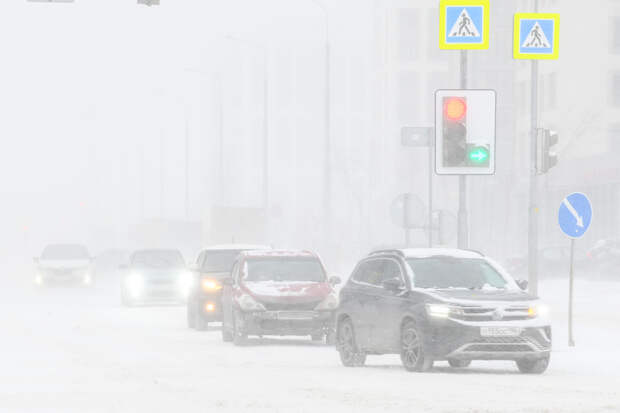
[575, 215]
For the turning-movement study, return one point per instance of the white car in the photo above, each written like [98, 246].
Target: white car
[64, 264]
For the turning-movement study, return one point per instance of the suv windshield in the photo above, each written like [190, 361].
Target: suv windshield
[450, 272]
[65, 252]
[219, 261]
[285, 269]
[158, 259]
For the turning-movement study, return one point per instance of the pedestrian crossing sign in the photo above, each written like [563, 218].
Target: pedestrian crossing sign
[536, 36]
[464, 24]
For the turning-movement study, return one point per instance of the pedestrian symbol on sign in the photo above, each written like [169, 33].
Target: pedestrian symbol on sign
[464, 26]
[536, 38]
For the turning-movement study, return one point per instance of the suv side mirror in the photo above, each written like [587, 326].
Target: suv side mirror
[393, 284]
[334, 280]
[522, 284]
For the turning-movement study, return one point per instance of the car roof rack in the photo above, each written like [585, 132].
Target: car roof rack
[388, 251]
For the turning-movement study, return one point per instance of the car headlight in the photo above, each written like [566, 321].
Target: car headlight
[247, 303]
[442, 310]
[210, 285]
[185, 282]
[329, 303]
[134, 283]
[538, 310]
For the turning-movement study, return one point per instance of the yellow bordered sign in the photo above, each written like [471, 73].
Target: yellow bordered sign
[536, 36]
[464, 24]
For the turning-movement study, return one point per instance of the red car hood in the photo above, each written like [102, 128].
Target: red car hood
[288, 292]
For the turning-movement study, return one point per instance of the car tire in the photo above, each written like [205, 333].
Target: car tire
[227, 336]
[459, 364]
[537, 366]
[412, 353]
[200, 323]
[239, 336]
[350, 354]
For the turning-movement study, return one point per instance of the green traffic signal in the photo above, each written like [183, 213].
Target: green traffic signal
[478, 155]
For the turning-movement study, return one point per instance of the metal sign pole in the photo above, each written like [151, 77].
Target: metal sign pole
[571, 341]
[463, 236]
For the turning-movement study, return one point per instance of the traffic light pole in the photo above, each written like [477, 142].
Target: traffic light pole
[532, 246]
[462, 236]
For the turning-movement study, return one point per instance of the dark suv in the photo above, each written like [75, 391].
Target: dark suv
[440, 304]
[278, 293]
[213, 265]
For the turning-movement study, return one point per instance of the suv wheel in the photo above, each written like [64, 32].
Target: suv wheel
[412, 352]
[459, 364]
[239, 336]
[350, 355]
[537, 366]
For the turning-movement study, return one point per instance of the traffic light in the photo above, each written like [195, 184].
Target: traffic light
[465, 132]
[454, 130]
[546, 157]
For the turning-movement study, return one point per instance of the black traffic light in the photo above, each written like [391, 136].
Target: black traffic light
[546, 157]
[454, 131]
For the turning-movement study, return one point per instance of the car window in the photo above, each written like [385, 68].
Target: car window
[391, 270]
[158, 259]
[278, 269]
[451, 272]
[370, 272]
[219, 261]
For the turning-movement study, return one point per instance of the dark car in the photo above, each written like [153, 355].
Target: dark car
[64, 264]
[155, 276]
[213, 265]
[278, 293]
[440, 304]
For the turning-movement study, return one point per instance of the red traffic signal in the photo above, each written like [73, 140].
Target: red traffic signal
[454, 108]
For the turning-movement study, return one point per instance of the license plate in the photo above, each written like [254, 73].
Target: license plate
[295, 315]
[500, 331]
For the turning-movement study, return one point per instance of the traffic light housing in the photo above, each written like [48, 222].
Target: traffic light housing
[454, 130]
[546, 157]
[465, 132]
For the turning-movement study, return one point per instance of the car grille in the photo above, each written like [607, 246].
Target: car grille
[518, 343]
[291, 306]
[492, 313]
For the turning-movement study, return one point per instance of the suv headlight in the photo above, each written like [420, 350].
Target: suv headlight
[329, 303]
[185, 282]
[209, 285]
[442, 310]
[247, 303]
[538, 310]
[134, 283]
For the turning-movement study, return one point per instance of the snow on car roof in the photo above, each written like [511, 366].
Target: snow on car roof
[237, 247]
[430, 252]
[279, 253]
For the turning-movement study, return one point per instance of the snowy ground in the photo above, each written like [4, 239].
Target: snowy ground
[72, 350]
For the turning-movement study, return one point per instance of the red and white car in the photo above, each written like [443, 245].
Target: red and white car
[278, 292]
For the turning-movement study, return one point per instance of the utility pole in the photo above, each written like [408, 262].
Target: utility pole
[532, 244]
[186, 166]
[463, 233]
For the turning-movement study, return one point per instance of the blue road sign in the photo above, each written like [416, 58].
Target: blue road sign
[464, 24]
[575, 215]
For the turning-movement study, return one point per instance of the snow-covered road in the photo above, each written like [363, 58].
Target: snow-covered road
[72, 350]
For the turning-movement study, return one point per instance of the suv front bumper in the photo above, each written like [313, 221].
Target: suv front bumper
[284, 323]
[508, 340]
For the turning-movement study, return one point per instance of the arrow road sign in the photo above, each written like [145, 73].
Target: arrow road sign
[575, 215]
